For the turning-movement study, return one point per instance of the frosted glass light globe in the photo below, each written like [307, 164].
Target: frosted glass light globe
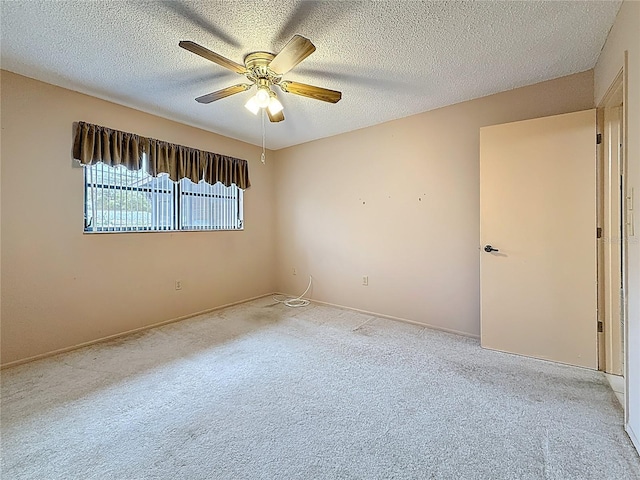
[252, 106]
[263, 97]
[275, 106]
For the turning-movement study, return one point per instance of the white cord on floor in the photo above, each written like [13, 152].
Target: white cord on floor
[294, 301]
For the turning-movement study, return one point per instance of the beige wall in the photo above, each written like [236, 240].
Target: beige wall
[60, 287]
[625, 37]
[399, 202]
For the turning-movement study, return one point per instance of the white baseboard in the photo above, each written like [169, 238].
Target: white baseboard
[635, 439]
[123, 334]
[390, 317]
[184, 317]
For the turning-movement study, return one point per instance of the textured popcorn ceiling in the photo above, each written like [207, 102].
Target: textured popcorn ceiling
[390, 59]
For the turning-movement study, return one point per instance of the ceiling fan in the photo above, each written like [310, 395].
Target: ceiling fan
[264, 70]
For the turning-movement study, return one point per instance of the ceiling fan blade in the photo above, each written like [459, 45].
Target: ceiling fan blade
[318, 93]
[292, 54]
[225, 92]
[212, 56]
[278, 117]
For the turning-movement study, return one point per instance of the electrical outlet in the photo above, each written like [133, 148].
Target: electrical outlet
[294, 271]
[178, 284]
[365, 280]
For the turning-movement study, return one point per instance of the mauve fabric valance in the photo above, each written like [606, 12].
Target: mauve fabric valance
[93, 144]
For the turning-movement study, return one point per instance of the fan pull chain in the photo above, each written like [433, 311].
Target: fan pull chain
[263, 139]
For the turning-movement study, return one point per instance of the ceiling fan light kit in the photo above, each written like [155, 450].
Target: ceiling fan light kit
[265, 70]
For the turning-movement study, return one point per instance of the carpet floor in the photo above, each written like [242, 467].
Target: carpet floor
[263, 391]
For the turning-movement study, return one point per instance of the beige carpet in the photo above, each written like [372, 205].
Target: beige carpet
[261, 391]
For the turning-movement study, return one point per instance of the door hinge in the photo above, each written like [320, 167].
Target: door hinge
[598, 139]
[599, 232]
[600, 327]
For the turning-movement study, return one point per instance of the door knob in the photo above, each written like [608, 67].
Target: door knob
[489, 249]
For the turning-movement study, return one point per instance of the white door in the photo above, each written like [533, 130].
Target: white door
[538, 210]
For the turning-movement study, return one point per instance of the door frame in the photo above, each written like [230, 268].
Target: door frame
[613, 204]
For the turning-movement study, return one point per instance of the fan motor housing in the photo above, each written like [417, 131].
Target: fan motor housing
[258, 59]
[257, 64]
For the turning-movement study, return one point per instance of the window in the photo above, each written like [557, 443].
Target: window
[122, 200]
